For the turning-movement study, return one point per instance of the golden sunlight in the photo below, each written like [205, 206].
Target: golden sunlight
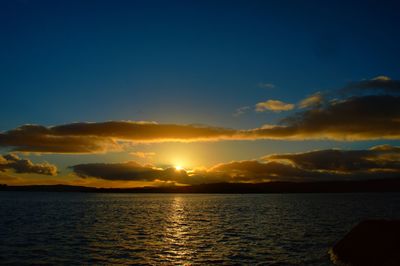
[178, 168]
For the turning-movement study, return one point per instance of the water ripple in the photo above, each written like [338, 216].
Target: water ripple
[168, 229]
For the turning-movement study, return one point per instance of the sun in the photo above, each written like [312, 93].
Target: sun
[178, 168]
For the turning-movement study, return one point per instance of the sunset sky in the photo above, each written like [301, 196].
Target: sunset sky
[138, 93]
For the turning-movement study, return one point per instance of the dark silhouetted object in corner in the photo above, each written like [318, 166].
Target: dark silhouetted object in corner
[371, 242]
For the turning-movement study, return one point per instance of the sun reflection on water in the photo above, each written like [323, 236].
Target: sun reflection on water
[178, 234]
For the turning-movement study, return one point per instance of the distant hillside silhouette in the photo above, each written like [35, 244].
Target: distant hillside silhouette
[381, 185]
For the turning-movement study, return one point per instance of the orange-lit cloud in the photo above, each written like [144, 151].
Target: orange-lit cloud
[274, 106]
[37, 138]
[143, 154]
[13, 162]
[333, 164]
[105, 136]
[313, 100]
[4, 178]
[133, 171]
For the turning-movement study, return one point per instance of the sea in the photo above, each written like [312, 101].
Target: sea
[61, 228]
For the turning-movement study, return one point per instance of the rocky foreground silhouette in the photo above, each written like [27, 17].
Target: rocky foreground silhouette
[370, 243]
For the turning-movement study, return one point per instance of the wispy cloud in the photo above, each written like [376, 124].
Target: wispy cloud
[266, 85]
[313, 100]
[241, 110]
[274, 106]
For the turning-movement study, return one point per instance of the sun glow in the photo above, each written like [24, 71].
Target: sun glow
[178, 168]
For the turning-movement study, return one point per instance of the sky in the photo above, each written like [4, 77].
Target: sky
[121, 93]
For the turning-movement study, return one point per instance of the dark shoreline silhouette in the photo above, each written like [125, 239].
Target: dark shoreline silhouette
[378, 185]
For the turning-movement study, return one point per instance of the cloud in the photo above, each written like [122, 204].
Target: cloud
[380, 157]
[37, 138]
[377, 162]
[256, 171]
[314, 100]
[241, 110]
[143, 154]
[7, 178]
[379, 83]
[355, 118]
[385, 147]
[133, 171]
[382, 78]
[266, 85]
[128, 171]
[103, 136]
[243, 171]
[353, 115]
[334, 164]
[274, 105]
[13, 162]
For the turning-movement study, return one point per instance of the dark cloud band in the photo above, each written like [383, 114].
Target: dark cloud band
[323, 165]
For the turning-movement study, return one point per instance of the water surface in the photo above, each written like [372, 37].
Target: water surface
[195, 229]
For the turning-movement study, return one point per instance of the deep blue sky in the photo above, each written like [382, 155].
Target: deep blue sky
[184, 61]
